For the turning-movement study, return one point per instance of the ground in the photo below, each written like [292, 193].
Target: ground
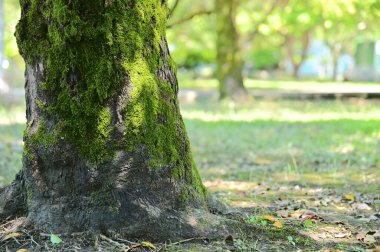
[305, 173]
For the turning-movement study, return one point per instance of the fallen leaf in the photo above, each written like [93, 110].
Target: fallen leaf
[361, 206]
[308, 223]
[343, 234]
[310, 216]
[229, 240]
[55, 239]
[296, 214]
[360, 236]
[148, 244]
[270, 218]
[11, 235]
[349, 197]
[368, 237]
[278, 224]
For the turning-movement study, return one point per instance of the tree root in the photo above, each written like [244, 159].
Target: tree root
[13, 199]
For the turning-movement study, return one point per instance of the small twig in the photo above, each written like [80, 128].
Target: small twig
[33, 241]
[105, 238]
[191, 16]
[174, 8]
[187, 240]
[131, 242]
[46, 235]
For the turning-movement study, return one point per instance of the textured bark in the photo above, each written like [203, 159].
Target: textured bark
[105, 144]
[229, 54]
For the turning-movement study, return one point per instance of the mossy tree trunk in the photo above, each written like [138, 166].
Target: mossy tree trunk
[229, 54]
[105, 144]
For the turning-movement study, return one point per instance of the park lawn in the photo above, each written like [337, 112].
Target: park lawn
[283, 158]
[185, 82]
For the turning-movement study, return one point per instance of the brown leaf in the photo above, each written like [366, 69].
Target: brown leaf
[361, 206]
[229, 240]
[310, 216]
[343, 234]
[360, 236]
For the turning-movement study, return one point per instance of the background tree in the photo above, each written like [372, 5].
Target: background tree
[105, 144]
[297, 23]
[344, 23]
[229, 55]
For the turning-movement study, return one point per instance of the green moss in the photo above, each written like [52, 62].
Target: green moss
[87, 48]
[90, 51]
[43, 137]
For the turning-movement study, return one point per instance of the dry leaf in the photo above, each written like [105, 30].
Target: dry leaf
[270, 218]
[343, 234]
[229, 240]
[310, 216]
[148, 244]
[22, 250]
[11, 235]
[296, 214]
[349, 197]
[361, 236]
[278, 224]
[361, 206]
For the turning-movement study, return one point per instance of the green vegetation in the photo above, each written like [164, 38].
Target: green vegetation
[186, 82]
[302, 153]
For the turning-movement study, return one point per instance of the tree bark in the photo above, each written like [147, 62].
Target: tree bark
[229, 54]
[105, 144]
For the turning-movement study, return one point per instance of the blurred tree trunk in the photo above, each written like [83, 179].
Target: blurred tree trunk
[105, 144]
[297, 59]
[229, 54]
[1, 37]
[335, 56]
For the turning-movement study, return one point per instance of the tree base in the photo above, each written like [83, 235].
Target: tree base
[13, 199]
[145, 222]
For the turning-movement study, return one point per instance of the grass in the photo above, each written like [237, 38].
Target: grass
[186, 82]
[271, 153]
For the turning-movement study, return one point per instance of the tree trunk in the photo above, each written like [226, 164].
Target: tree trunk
[229, 54]
[298, 60]
[105, 144]
[336, 51]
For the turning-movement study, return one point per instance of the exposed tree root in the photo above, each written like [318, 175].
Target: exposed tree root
[13, 199]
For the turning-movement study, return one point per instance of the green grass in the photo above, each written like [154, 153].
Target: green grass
[267, 138]
[270, 139]
[186, 82]
[251, 156]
